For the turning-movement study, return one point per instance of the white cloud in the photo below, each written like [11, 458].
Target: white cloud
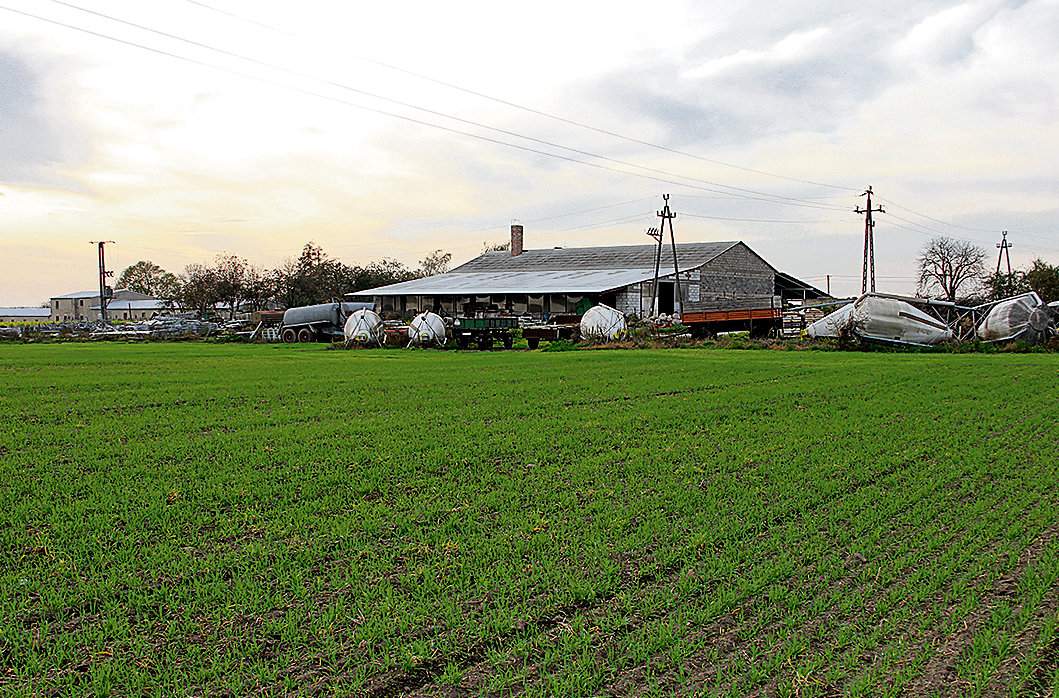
[795, 46]
[947, 108]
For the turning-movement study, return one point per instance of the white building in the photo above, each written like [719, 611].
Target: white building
[24, 314]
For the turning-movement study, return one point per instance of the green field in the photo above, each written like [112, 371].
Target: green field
[188, 519]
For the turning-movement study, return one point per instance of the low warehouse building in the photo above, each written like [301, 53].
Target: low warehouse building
[24, 314]
[83, 306]
[720, 283]
[140, 309]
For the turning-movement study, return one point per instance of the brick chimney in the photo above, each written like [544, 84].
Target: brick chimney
[516, 239]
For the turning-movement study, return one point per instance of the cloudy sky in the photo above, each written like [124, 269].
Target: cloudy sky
[358, 126]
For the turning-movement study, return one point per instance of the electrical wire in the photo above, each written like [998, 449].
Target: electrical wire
[752, 220]
[624, 219]
[549, 115]
[342, 86]
[374, 110]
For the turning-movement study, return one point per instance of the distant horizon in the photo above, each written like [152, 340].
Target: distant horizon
[253, 128]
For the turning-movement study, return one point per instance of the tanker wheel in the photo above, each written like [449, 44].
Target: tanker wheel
[534, 342]
[289, 336]
[306, 335]
[485, 342]
[509, 341]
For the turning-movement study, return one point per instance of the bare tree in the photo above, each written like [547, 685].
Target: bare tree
[948, 265]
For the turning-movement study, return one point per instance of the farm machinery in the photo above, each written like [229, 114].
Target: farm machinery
[315, 323]
[484, 331]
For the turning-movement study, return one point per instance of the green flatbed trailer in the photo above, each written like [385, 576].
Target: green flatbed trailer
[484, 331]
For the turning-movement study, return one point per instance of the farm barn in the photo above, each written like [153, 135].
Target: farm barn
[722, 285]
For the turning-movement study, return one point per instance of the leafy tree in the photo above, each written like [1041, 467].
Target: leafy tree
[1003, 285]
[949, 266]
[198, 289]
[149, 278]
[496, 247]
[231, 275]
[1044, 279]
[437, 262]
[381, 273]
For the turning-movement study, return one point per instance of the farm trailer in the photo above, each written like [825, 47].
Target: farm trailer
[484, 331]
[315, 323]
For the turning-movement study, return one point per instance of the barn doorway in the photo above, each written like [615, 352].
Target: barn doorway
[665, 297]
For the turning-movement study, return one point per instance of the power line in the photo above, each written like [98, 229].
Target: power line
[549, 115]
[961, 227]
[567, 214]
[433, 112]
[624, 219]
[891, 202]
[752, 220]
[383, 112]
[233, 15]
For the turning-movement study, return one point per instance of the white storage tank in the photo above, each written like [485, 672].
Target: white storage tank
[875, 317]
[363, 326]
[833, 325]
[426, 329]
[892, 320]
[1022, 317]
[602, 323]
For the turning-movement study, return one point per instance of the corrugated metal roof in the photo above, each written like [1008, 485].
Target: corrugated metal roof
[690, 255]
[498, 282]
[25, 312]
[557, 270]
[151, 304]
[118, 294]
[79, 294]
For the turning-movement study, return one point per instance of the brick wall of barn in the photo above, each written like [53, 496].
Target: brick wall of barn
[628, 300]
[735, 277]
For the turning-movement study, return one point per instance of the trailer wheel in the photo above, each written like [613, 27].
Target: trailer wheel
[306, 335]
[485, 342]
[534, 342]
[289, 336]
[509, 341]
[462, 341]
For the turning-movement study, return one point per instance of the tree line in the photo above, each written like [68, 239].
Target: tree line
[956, 271]
[232, 283]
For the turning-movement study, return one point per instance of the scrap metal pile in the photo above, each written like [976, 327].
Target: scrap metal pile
[890, 319]
[163, 327]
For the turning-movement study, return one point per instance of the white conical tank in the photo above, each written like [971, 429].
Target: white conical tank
[1022, 317]
[426, 329]
[833, 325]
[363, 326]
[602, 323]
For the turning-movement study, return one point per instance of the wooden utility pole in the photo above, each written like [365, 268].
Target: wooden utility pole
[1003, 246]
[103, 276]
[656, 234]
[867, 276]
[667, 215]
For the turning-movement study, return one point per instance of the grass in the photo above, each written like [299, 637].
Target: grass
[195, 518]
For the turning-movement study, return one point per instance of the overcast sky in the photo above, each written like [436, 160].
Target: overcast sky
[949, 110]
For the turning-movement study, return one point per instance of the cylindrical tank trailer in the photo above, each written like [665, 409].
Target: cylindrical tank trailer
[314, 323]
